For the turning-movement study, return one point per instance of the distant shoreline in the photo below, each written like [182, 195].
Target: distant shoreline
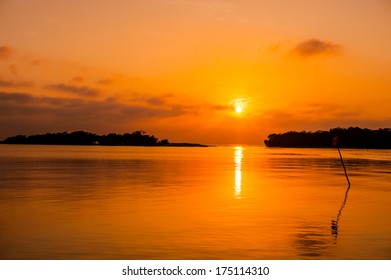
[100, 145]
[82, 138]
[328, 147]
[352, 138]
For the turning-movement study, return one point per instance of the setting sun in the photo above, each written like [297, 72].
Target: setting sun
[238, 109]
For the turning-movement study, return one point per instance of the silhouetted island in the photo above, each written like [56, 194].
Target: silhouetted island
[352, 137]
[136, 138]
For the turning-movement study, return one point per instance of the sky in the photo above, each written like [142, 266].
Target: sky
[178, 69]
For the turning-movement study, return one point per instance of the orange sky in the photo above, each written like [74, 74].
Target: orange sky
[177, 68]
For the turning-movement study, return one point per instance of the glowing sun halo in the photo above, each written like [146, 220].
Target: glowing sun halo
[238, 109]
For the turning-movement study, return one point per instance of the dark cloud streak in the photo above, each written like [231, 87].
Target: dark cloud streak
[5, 52]
[80, 91]
[15, 84]
[314, 47]
[14, 97]
[13, 69]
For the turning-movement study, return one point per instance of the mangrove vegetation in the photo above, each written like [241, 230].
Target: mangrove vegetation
[136, 138]
[352, 137]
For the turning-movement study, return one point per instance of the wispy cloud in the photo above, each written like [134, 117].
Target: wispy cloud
[14, 69]
[118, 79]
[5, 52]
[155, 100]
[15, 84]
[151, 99]
[79, 91]
[77, 79]
[314, 47]
[105, 81]
[174, 101]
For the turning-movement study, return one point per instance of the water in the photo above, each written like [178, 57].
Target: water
[75, 202]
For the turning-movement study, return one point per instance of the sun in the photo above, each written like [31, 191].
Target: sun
[238, 109]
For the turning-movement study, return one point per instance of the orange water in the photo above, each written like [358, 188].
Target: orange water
[74, 202]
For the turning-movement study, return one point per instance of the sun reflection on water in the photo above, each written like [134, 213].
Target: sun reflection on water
[238, 171]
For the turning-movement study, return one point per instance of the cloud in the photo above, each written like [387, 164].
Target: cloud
[15, 84]
[80, 91]
[118, 79]
[14, 69]
[37, 62]
[157, 101]
[14, 97]
[5, 52]
[105, 81]
[272, 48]
[23, 112]
[77, 79]
[220, 107]
[26, 113]
[154, 100]
[314, 47]
[170, 100]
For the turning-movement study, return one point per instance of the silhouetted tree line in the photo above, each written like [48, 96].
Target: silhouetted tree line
[352, 137]
[137, 138]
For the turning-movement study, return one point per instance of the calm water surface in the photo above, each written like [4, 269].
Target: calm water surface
[74, 202]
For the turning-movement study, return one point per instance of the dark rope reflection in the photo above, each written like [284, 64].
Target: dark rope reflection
[334, 223]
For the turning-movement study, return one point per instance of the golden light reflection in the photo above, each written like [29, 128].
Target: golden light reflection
[238, 171]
